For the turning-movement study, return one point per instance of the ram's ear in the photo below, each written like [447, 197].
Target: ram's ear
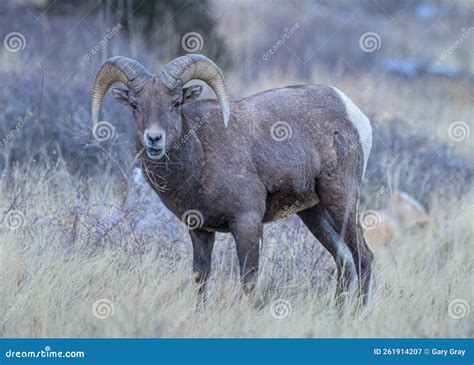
[191, 93]
[120, 95]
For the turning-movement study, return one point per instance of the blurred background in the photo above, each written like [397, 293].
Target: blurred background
[407, 64]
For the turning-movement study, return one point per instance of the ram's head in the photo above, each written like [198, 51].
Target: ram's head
[156, 100]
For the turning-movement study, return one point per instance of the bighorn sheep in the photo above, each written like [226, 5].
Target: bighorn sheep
[236, 178]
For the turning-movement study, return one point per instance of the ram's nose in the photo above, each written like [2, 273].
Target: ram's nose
[154, 137]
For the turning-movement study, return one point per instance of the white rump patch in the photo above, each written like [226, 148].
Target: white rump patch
[362, 124]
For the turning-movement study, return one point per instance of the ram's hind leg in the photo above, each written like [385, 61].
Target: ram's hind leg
[364, 255]
[341, 198]
[318, 222]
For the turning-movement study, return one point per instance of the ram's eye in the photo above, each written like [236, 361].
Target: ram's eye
[134, 106]
[176, 104]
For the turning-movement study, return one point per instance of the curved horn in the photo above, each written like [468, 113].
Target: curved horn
[116, 69]
[197, 67]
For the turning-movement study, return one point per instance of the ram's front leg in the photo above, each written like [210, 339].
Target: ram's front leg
[203, 243]
[247, 230]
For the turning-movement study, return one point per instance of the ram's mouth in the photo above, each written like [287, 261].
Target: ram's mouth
[155, 153]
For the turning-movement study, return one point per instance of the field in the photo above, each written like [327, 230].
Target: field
[87, 250]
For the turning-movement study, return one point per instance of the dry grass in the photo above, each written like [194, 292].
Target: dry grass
[54, 271]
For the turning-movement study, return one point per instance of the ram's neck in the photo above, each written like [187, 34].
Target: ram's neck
[178, 167]
[186, 152]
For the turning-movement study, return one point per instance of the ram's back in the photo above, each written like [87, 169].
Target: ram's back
[281, 138]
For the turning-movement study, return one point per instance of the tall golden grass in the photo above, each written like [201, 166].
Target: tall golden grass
[62, 279]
